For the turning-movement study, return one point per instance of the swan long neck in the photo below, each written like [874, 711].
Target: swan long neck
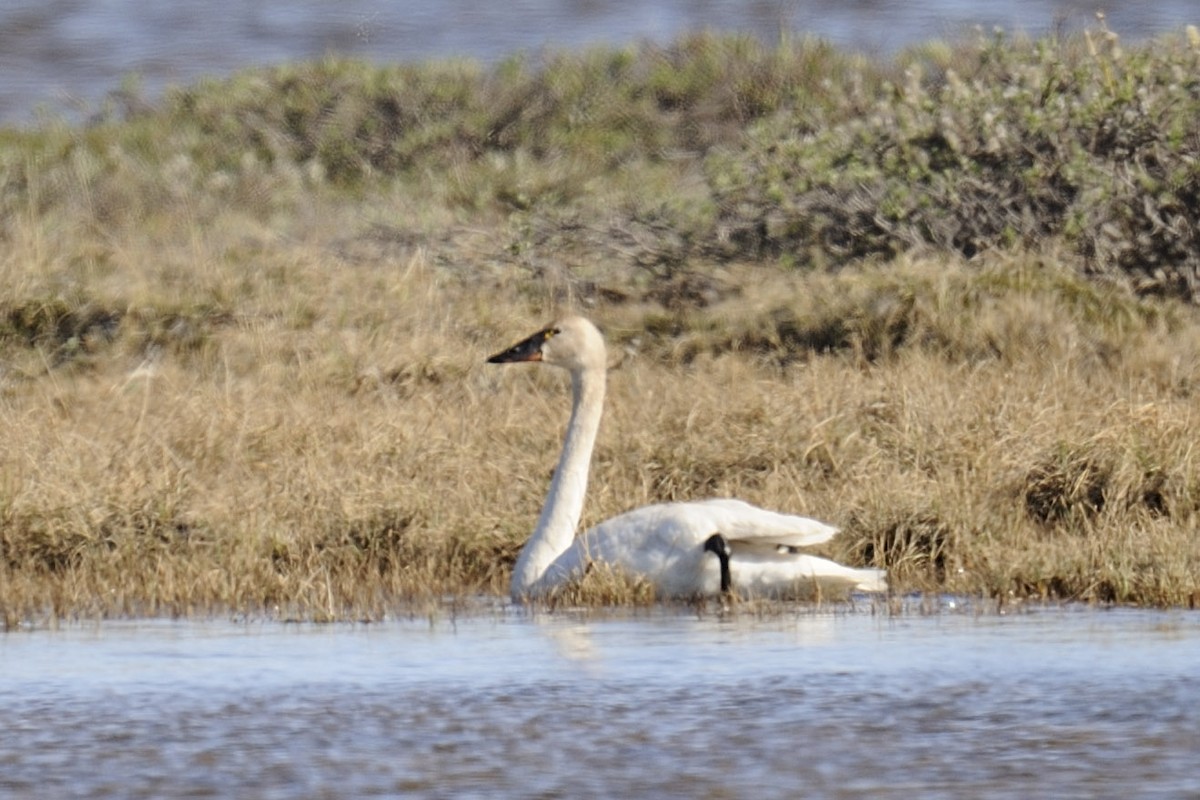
[560, 515]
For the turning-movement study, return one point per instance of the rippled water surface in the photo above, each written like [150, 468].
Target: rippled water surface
[1062, 703]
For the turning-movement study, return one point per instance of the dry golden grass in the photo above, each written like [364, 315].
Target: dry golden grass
[303, 425]
[245, 409]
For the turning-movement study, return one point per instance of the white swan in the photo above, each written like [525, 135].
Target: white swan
[667, 543]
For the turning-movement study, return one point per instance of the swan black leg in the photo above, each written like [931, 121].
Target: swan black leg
[718, 545]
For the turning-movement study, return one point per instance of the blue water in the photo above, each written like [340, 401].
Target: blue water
[63, 56]
[849, 703]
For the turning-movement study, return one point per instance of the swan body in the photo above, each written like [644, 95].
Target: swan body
[669, 544]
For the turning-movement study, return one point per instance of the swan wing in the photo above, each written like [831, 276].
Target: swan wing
[751, 526]
[665, 542]
[764, 560]
[647, 541]
[670, 526]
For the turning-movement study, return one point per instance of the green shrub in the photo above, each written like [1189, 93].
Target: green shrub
[1007, 143]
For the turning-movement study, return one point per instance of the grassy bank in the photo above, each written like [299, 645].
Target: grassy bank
[242, 332]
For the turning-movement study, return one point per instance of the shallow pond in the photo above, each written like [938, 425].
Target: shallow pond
[846, 703]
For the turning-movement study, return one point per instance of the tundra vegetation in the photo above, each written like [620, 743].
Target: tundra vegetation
[945, 300]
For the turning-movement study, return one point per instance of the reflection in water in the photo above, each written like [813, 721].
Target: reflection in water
[1054, 703]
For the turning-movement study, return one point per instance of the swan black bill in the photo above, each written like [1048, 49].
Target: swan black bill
[529, 349]
[718, 545]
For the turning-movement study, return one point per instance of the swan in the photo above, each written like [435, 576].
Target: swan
[671, 545]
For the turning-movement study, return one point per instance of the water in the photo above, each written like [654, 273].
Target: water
[64, 54]
[1061, 703]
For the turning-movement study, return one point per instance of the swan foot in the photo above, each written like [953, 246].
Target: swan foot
[719, 546]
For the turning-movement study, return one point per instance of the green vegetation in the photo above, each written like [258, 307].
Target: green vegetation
[944, 301]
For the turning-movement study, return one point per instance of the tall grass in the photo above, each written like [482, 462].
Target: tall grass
[242, 341]
[368, 459]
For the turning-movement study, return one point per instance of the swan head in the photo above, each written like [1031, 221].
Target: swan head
[572, 343]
